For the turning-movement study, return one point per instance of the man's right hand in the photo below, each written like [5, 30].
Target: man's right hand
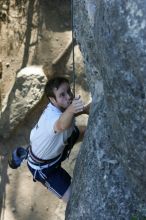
[77, 105]
[65, 120]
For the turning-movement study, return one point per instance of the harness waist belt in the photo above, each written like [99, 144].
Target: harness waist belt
[39, 160]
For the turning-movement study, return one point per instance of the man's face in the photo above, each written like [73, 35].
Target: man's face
[63, 96]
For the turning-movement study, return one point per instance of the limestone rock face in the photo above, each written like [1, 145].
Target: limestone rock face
[110, 173]
[25, 94]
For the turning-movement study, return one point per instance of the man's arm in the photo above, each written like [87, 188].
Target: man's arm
[65, 120]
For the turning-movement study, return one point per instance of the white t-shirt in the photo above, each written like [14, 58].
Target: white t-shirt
[46, 144]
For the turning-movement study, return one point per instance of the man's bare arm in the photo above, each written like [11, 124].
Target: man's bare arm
[65, 120]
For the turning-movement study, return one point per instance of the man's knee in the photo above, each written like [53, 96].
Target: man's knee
[66, 195]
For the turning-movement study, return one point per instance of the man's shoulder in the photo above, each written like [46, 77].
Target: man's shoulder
[51, 108]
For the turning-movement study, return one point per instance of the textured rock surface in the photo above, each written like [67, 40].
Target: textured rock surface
[25, 94]
[109, 177]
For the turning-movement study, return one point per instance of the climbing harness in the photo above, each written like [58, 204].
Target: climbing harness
[19, 154]
[39, 161]
[73, 44]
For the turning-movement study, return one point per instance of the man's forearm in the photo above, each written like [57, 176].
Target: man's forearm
[65, 121]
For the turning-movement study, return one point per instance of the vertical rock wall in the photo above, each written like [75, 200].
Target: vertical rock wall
[109, 178]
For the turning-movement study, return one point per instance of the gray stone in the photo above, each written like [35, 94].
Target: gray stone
[25, 94]
[109, 177]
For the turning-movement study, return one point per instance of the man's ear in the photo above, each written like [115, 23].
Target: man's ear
[52, 100]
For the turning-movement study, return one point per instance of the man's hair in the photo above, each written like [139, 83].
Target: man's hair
[52, 84]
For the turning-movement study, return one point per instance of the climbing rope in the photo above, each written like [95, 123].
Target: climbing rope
[73, 41]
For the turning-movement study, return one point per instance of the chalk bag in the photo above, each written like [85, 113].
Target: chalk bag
[17, 157]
